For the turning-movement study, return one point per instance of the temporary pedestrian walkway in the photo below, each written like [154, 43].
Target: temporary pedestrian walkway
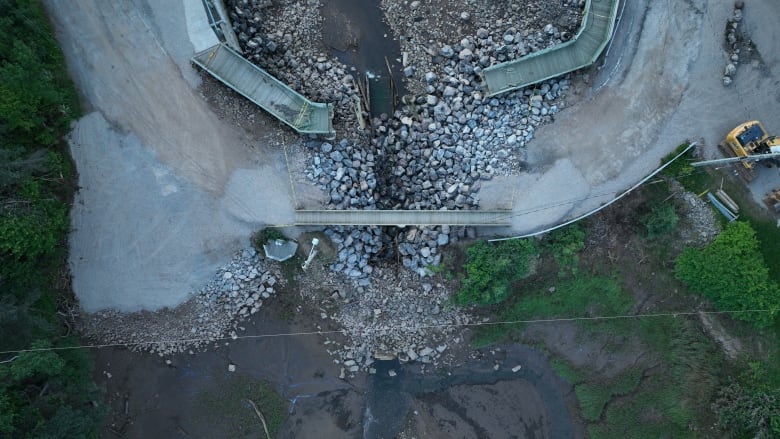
[403, 217]
[269, 93]
[581, 51]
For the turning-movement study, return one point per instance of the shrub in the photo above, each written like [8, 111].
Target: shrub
[731, 271]
[262, 237]
[748, 412]
[491, 268]
[660, 221]
[565, 244]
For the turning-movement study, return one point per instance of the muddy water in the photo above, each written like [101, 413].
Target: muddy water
[357, 35]
[390, 399]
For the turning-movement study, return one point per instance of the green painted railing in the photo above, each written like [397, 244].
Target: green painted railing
[583, 50]
[269, 93]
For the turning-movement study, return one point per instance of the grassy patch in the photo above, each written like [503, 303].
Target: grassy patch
[594, 395]
[676, 384]
[227, 406]
[566, 371]
[574, 297]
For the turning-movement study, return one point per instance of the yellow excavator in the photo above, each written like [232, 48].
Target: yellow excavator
[748, 143]
[750, 140]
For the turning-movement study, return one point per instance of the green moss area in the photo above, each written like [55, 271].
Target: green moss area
[228, 404]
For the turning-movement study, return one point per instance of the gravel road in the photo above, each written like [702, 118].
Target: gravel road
[663, 87]
[164, 184]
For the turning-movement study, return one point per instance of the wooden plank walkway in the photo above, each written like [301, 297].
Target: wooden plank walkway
[269, 93]
[581, 51]
[403, 217]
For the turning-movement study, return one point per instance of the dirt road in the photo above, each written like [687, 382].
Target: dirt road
[168, 191]
[661, 85]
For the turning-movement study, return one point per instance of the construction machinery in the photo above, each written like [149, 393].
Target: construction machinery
[747, 144]
[750, 139]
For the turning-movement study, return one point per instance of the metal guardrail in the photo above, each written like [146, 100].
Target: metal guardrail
[603, 206]
[581, 51]
[269, 93]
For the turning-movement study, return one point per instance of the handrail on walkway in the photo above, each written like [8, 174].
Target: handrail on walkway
[270, 94]
[583, 50]
[403, 217]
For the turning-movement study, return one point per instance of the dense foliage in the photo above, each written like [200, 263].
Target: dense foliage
[491, 268]
[43, 393]
[660, 221]
[37, 99]
[748, 412]
[565, 244]
[750, 405]
[731, 271]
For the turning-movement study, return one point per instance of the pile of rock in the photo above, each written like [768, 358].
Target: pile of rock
[237, 291]
[356, 246]
[456, 135]
[397, 316]
[732, 43]
[345, 171]
[700, 223]
[284, 38]
[501, 31]
[419, 248]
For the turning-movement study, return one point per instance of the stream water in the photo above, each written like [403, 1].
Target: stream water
[358, 36]
[389, 399]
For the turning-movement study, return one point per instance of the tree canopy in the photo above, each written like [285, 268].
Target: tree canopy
[732, 273]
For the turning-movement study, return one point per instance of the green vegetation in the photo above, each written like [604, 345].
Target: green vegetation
[42, 393]
[227, 405]
[262, 237]
[593, 396]
[731, 271]
[491, 268]
[660, 221]
[682, 374]
[669, 371]
[565, 243]
[750, 405]
[768, 235]
[692, 179]
[573, 297]
[37, 98]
